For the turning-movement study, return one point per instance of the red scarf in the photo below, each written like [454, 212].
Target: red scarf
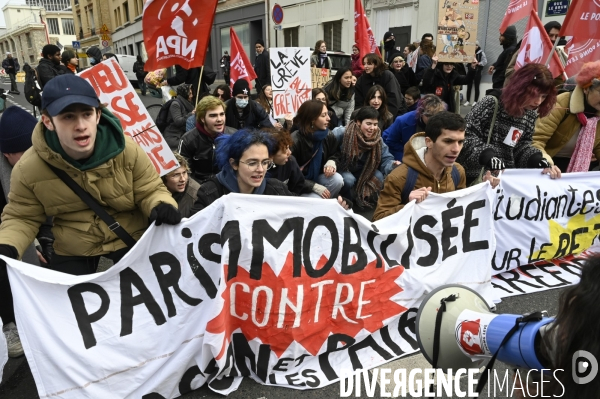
[204, 132]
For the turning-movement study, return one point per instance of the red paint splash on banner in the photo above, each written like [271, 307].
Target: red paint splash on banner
[281, 309]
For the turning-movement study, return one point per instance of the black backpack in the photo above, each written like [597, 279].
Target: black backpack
[32, 90]
[162, 120]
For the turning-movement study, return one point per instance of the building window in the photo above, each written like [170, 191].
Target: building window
[29, 43]
[136, 6]
[91, 22]
[53, 26]
[68, 27]
[290, 37]
[119, 23]
[130, 49]
[126, 11]
[31, 59]
[332, 34]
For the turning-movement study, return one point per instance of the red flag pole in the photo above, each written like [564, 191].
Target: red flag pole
[552, 52]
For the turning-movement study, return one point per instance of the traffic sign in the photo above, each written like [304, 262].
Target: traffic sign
[104, 43]
[76, 44]
[105, 37]
[277, 14]
[104, 29]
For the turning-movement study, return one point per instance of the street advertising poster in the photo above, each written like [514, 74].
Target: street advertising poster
[457, 30]
[291, 79]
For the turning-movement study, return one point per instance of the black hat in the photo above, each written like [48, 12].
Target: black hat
[510, 32]
[64, 90]
[241, 86]
[261, 42]
[387, 35]
[16, 128]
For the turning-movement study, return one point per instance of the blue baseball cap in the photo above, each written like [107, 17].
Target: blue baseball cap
[65, 90]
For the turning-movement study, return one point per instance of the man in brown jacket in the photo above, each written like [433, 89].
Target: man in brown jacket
[428, 165]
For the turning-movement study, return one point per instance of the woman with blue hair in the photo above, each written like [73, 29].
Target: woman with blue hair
[244, 159]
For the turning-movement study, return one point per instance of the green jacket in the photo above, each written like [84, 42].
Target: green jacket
[119, 175]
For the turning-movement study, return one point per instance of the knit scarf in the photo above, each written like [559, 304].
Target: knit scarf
[354, 145]
[582, 155]
[314, 166]
[323, 63]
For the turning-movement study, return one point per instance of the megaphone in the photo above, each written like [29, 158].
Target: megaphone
[468, 332]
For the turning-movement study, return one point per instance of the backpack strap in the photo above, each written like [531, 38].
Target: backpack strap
[409, 185]
[455, 176]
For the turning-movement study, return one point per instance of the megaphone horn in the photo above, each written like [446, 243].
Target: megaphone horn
[467, 332]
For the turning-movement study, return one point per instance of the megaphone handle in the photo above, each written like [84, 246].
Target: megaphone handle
[526, 318]
[438, 326]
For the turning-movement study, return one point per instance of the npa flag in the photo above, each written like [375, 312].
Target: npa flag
[581, 51]
[241, 67]
[178, 33]
[582, 20]
[536, 47]
[516, 11]
[363, 34]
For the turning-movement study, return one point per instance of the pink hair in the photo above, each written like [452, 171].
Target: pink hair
[589, 72]
[527, 83]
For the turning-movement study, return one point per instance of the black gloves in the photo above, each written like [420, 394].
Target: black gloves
[544, 164]
[165, 213]
[495, 163]
[9, 251]
[46, 247]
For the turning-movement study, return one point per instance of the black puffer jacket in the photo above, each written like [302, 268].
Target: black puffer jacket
[199, 150]
[253, 116]
[46, 71]
[179, 111]
[303, 150]
[435, 81]
[387, 80]
[212, 190]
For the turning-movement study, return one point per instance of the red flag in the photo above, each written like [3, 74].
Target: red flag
[580, 52]
[240, 66]
[516, 11]
[363, 35]
[177, 33]
[582, 20]
[536, 47]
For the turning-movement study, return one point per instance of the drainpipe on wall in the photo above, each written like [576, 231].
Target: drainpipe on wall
[45, 28]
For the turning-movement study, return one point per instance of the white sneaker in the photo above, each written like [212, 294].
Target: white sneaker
[15, 349]
[466, 104]
[474, 102]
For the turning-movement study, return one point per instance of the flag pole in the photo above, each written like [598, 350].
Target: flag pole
[552, 52]
[199, 84]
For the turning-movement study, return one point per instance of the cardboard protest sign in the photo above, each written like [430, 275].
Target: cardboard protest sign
[287, 296]
[320, 76]
[541, 219]
[114, 89]
[457, 30]
[290, 79]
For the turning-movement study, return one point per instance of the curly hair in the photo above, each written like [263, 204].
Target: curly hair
[283, 138]
[377, 61]
[226, 92]
[233, 146]
[430, 105]
[527, 83]
[589, 72]
[205, 105]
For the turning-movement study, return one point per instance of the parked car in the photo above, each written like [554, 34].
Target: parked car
[126, 62]
[339, 59]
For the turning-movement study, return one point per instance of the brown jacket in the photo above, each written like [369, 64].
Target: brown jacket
[390, 198]
[555, 130]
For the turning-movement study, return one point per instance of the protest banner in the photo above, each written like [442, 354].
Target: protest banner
[114, 89]
[290, 79]
[541, 219]
[320, 77]
[281, 294]
[457, 30]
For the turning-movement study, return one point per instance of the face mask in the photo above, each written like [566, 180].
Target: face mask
[92, 60]
[241, 103]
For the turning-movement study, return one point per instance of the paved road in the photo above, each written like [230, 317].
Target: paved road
[18, 381]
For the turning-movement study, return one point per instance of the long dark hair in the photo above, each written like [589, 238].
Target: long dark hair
[377, 61]
[576, 327]
[384, 114]
[335, 91]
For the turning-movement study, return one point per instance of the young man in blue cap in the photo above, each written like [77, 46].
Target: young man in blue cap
[86, 141]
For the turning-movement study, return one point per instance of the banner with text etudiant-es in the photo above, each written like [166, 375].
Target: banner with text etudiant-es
[539, 219]
[289, 294]
[291, 79]
[114, 89]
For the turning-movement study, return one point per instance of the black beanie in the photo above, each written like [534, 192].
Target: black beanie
[387, 35]
[261, 42]
[510, 33]
[241, 86]
[16, 128]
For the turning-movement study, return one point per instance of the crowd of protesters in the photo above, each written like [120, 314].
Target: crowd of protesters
[379, 134]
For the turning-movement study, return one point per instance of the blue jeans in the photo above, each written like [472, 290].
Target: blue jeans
[334, 185]
[350, 180]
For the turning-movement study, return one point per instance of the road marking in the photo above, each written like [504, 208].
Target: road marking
[19, 105]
